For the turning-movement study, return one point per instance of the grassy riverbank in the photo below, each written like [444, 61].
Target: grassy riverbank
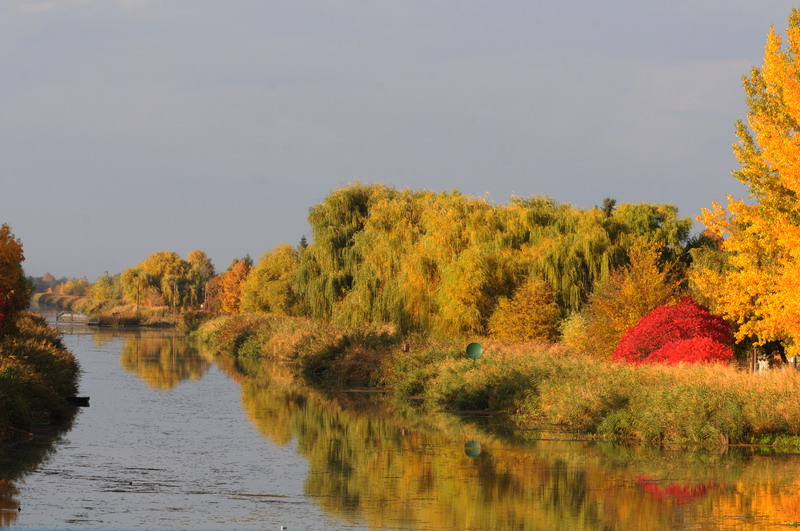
[36, 375]
[707, 404]
[110, 312]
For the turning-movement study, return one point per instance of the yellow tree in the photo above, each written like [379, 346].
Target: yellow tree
[531, 314]
[268, 286]
[618, 302]
[760, 287]
[230, 297]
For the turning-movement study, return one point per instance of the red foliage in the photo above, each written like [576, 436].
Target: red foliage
[686, 332]
[694, 350]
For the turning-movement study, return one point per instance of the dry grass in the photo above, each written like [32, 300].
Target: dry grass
[684, 404]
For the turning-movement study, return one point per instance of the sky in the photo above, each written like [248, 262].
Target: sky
[134, 126]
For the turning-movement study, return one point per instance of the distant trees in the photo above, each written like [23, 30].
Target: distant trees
[78, 287]
[107, 288]
[225, 289]
[164, 278]
[427, 261]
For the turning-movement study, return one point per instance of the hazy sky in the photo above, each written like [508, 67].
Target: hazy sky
[133, 126]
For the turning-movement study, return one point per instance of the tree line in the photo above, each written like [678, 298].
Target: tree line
[439, 262]
[454, 264]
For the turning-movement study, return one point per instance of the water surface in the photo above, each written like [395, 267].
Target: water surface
[178, 438]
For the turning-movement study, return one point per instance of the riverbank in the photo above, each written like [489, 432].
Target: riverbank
[708, 405]
[110, 312]
[37, 374]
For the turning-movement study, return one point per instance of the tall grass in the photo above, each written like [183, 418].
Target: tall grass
[36, 374]
[342, 356]
[712, 404]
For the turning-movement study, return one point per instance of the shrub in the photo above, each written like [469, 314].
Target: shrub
[618, 302]
[686, 332]
[692, 350]
[532, 314]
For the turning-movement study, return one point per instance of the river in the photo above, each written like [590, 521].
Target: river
[178, 438]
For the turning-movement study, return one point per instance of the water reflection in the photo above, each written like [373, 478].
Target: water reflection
[374, 465]
[162, 360]
[409, 472]
[20, 457]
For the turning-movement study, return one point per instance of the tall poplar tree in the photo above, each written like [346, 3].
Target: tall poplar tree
[759, 287]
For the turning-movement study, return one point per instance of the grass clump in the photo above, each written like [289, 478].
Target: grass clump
[36, 375]
[331, 354]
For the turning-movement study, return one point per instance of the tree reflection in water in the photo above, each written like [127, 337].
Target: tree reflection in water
[163, 361]
[20, 457]
[402, 470]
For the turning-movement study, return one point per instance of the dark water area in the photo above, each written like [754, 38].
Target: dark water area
[178, 438]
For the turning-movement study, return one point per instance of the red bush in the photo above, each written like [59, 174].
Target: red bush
[694, 350]
[686, 332]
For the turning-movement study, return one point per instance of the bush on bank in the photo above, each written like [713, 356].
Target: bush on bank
[685, 404]
[36, 374]
[336, 355]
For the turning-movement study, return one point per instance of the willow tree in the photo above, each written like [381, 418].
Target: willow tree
[135, 285]
[441, 261]
[759, 288]
[327, 267]
[201, 270]
[164, 277]
[531, 314]
[269, 285]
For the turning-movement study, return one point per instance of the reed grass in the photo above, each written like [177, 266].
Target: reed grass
[714, 404]
[337, 355]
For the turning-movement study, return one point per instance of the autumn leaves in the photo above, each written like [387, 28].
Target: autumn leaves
[757, 286]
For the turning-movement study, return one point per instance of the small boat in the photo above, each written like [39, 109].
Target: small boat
[80, 401]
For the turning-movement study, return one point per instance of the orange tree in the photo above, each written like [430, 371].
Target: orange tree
[14, 288]
[759, 289]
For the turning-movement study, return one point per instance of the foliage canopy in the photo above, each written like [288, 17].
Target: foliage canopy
[757, 289]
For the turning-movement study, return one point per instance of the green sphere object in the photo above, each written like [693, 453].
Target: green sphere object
[474, 351]
[472, 449]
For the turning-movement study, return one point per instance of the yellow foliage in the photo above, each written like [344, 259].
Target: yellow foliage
[758, 290]
[626, 296]
[530, 314]
[230, 298]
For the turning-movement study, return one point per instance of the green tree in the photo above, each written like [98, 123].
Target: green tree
[269, 285]
[106, 288]
[442, 261]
